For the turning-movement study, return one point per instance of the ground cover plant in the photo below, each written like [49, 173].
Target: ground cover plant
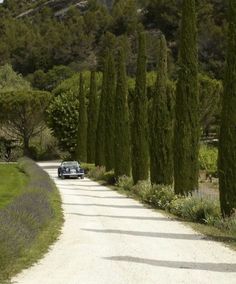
[30, 222]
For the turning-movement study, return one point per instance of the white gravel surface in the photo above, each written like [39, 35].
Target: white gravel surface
[108, 238]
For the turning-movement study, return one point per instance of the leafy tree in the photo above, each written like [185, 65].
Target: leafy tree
[109, 112]
[81, 150]
[19, 115]
[186, 140]
[227, 149]
[92, 119]
[63, 120]
[11, 81]
[122, 127]
[161, 134]
[125, 18]
[140, 159]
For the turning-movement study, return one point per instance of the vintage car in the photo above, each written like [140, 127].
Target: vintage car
[69, 169]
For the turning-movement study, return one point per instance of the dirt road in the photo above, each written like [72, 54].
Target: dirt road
[110, 239]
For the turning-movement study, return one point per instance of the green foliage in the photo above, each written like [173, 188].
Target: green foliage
[81, 148]
[121, 121]
[92, 119]
[63, 120]
[125, 183]
[161, 196]
[124, 20]
[227, 144]
[143, 189]
[109, 112]
[186, 140]
[11, 81]
[210, 93]
[12, 183]
[100, 133]
[161, 128]
[97, 173]
[140, 169]
[208, 158]
[51, 79]
[194, 209]
[19, 115]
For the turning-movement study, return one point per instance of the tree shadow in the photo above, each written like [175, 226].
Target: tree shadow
[99, 197]
[105, 205]
[125, 217]
[150, 234]
[206, 266]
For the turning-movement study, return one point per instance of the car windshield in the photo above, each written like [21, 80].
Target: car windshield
[70, 164]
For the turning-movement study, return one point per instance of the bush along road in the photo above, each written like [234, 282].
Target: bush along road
[109, 238]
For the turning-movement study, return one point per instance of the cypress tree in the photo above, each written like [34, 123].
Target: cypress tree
[227, 144]
[140, 159]
[186, 136]
[100, 133]
[161, 130]
[109, 112]
[92, 119]
[122, 127]
[81, 150]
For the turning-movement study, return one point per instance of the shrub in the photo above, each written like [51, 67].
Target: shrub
[208, 157]
[125, 183]
[143, 189]
[87, 167]
[194, 209]
[162, 196]
[23, 220]
[109, 178]
[97, 173]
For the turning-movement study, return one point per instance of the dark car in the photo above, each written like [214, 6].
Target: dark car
[70, 169]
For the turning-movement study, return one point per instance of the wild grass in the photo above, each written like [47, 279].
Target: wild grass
[30, 223]
[12, 183]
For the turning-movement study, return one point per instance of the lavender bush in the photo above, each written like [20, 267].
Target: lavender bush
[28, 214]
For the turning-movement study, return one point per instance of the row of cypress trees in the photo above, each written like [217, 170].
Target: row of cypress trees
[122, 141]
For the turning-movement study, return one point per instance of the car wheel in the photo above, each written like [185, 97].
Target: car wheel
[62, 176]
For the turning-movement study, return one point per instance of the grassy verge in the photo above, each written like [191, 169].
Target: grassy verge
[201, 214]
[30, 223]
[12, 183]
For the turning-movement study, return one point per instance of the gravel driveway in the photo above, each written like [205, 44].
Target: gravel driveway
[112, 239]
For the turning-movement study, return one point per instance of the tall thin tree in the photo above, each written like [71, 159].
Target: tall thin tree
[140, 148]
[81, 151]
[92, 119]
[100, 133]
[186, 137]
[109, 112]
[227, 144]
[122, 126]
[161, 128]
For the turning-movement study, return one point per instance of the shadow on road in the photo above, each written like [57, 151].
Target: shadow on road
[150, 234]
[126, 217]
[105, 205]
[217, 267]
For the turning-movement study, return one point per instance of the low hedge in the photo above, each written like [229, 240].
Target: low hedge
[162, 197]
[30, 223]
